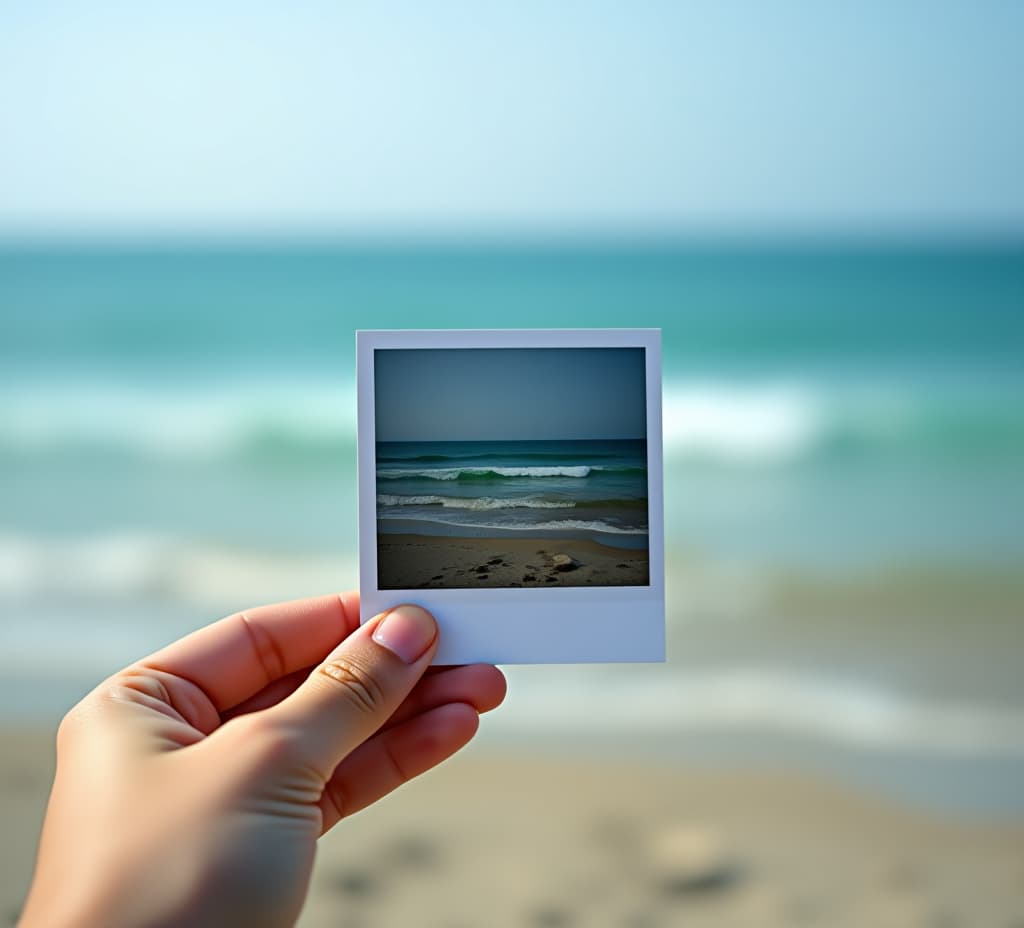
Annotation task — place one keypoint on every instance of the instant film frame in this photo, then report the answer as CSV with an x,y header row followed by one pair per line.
x,y
560,624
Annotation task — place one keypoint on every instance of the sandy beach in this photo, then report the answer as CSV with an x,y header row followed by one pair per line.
x,y
408,562
505,839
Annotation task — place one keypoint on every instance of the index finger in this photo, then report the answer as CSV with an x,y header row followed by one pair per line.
x,y
236,657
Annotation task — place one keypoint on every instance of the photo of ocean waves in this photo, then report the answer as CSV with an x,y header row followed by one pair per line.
x,y
577,489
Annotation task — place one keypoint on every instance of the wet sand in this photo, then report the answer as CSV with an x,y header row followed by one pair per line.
x,y
409,562
508,839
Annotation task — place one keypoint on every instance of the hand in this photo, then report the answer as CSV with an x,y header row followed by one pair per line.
x,y
192,786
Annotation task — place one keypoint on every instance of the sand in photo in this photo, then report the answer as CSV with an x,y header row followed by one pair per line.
x,y
410,562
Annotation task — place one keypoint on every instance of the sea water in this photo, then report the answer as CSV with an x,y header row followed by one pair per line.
x,y
844,445
594,490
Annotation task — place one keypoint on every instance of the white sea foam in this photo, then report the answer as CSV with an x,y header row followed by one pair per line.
x,y
206,420
454,473
138,567
743,422
573,525
719,419
583,525
483,502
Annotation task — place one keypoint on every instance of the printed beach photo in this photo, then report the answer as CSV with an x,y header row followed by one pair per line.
x,y
511,467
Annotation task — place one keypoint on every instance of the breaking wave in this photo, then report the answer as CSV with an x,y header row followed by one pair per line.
x,y
482,502
484,473
389,500
558,456
131,566
300,421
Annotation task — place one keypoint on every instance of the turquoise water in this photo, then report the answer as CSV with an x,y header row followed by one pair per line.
x,y
595,490
844,445
814,388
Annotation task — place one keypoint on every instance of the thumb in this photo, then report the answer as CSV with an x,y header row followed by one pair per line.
x,y
357,687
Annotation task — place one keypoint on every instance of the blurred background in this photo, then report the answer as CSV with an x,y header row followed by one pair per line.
x,y
821,206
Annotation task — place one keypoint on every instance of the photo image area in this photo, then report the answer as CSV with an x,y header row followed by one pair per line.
x,y
511,467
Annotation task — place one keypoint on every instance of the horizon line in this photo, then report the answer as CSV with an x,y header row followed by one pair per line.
x,y
824,241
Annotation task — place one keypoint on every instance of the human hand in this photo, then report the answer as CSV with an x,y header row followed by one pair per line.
x,y
192,786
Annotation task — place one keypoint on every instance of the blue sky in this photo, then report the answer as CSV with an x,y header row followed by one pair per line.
x,y
528,394
381,118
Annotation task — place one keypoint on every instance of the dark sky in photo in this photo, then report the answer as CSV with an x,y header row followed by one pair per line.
x,y
484,394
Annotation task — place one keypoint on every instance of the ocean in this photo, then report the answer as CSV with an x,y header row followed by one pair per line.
x,y
596,490
844,450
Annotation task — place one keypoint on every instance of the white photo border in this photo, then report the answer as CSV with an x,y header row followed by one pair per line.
x,y
524,625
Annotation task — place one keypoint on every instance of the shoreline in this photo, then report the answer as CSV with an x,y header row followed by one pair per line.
x,y
409,561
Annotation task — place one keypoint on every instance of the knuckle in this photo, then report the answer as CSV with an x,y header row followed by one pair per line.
x,y
355,682
135,680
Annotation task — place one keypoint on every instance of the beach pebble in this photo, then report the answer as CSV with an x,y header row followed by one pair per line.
x,y
564,562
690,859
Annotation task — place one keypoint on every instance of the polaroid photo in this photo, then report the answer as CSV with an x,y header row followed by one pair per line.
x,y
511,483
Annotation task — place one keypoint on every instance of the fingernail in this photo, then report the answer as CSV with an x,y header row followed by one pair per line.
x,y
406,631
